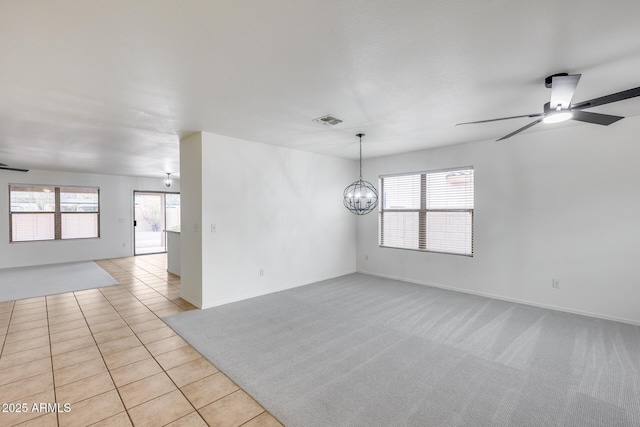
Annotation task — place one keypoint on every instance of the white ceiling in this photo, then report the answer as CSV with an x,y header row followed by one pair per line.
x,y
112,86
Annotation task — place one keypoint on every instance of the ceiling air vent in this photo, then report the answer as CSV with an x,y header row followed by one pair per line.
x,y
328,120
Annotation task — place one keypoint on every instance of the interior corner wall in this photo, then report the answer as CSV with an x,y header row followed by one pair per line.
x,y
191,219
116,218
561,203
272,219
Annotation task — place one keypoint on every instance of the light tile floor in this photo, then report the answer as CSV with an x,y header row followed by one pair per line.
x,y
108,355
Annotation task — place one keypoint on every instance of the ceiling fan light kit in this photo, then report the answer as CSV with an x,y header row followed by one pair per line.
x,y
560,108
557,116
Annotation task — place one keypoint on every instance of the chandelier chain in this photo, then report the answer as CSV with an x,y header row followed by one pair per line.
x,y
360,135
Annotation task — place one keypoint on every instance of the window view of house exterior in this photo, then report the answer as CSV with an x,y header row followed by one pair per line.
x,y
428,211
43,212
172,204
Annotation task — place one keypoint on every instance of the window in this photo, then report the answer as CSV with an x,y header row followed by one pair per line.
x,y
428,211
43,212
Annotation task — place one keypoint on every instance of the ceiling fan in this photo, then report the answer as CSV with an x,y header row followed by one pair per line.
x,y
560,108
7,168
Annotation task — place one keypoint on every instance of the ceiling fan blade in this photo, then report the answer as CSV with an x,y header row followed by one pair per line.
x,y
520,130
562,90
595,118
503,118
608,99
6,168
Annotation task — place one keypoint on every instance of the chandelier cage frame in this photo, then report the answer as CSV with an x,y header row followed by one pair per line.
x,y
360,197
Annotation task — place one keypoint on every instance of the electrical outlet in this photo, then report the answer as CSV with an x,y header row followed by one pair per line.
x,y
555,283
261,272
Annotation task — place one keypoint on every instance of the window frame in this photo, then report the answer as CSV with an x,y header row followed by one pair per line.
x,y
58,213
422,211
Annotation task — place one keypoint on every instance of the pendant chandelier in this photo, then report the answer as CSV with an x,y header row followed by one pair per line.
x,y
361,197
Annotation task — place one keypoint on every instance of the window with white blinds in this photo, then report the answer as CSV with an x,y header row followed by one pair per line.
x,y
79,212
43,212
428,211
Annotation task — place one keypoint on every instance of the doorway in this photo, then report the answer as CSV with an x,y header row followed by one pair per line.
x,y
154,212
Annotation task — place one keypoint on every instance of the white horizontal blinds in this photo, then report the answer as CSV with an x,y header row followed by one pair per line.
x,y
450,189
430,211
32,226
449,216
79,207
400,230
401,192
450,232
400,211
79,225
32,212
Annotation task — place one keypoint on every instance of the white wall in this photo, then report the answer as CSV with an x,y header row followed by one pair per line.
x,y
116,218
563,203
275,209
191,219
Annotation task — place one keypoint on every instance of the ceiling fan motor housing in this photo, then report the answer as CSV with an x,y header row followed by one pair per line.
x,y
549,80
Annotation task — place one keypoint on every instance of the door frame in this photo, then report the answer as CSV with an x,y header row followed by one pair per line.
x,y
164,206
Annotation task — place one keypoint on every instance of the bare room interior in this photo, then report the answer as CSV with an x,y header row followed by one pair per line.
x,y
319,213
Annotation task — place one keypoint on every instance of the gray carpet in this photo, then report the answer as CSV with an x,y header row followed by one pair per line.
x,y
366,351
28,282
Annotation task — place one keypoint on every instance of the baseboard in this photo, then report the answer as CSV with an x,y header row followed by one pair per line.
x,y
503,298
189,300
271,291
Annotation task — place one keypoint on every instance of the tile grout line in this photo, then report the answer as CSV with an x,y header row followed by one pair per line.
x,y
4,340
102,355
53,375
100,351
165,372
155,360
248,421
17,366
195,410
103,361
